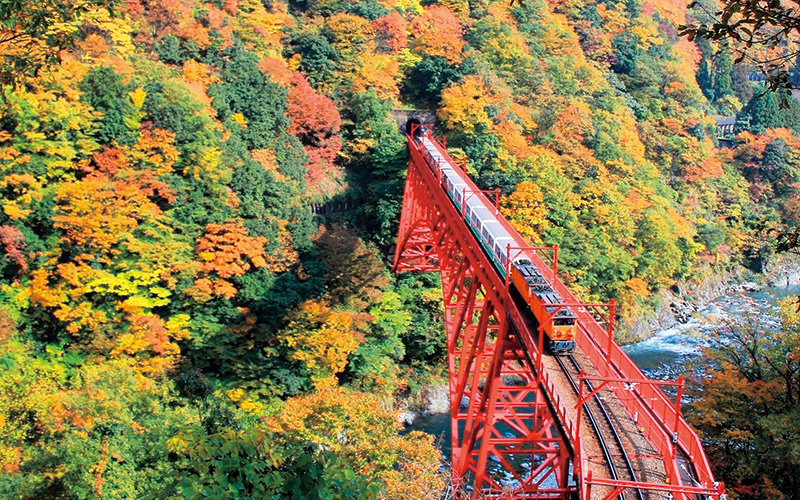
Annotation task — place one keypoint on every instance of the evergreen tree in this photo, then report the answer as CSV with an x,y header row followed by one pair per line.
x,y
721,72
704,78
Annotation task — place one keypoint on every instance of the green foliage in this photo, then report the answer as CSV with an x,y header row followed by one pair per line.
x,y
377,155
169,50
317,57
764,111
721,74
246,90
103,89
427,80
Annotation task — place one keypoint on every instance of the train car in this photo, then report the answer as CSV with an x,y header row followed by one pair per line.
x,y
537,293
482,219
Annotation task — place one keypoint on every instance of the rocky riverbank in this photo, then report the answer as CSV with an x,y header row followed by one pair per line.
x,y
433,399
678,303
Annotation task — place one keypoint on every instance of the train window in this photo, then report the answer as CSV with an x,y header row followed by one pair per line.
x,y
501,245
474,216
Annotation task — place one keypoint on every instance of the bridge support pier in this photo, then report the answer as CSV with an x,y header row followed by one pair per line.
x,y
505,439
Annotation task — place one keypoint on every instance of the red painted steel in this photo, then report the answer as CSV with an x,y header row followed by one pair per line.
x,y
505,443
512,435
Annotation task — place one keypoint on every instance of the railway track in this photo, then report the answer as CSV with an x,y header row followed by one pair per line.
x,y
619,463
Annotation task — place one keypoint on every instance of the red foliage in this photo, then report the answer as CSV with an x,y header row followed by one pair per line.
x,y
148,184
110,161
313,116
316,122
13,242
133,7
390,32
157,154
152,329
231,6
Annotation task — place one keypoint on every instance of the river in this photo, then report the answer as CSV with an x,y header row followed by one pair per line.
x,y
663,355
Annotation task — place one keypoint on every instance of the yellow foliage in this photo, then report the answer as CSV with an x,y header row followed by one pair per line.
x,y
244,402
115,30
463,105
361,429
137,97
379,72
206,164
526,211
239,119
321,339
286,256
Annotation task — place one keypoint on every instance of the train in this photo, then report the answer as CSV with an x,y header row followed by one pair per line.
x,y
527,283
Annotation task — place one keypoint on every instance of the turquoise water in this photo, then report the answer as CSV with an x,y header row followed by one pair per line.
x,y
663,354
438,425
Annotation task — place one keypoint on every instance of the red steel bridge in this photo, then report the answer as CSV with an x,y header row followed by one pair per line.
x,y
525,424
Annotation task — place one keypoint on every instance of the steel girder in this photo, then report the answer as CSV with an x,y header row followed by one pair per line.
x,y
505,439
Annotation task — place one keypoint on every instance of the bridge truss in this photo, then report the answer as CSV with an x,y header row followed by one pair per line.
x,y
512,435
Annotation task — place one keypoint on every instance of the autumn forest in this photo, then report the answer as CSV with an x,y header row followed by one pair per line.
x,y
200,202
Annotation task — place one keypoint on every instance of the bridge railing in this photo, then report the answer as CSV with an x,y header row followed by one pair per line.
x,y
569,424
650,407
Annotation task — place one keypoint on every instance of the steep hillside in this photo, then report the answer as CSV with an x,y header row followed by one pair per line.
x,y
174,317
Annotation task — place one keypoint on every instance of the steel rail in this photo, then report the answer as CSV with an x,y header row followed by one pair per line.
x,y
606,452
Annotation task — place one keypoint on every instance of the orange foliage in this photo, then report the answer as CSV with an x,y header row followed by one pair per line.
x,y
96,213
572,125
390,32
638,287
437,32
225,251
195,71
379,72
109,161
95,45
276,69
69,282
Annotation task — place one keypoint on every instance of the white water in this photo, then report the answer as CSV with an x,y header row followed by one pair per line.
x,y
661,354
